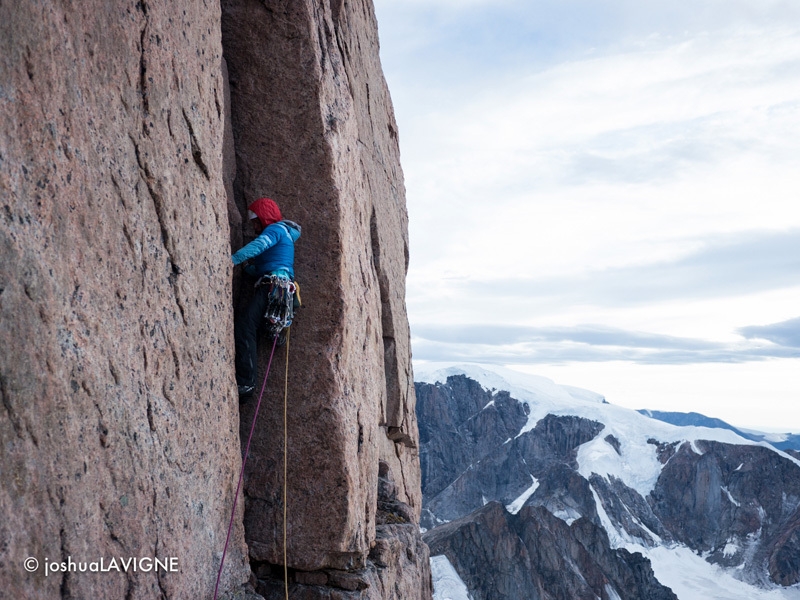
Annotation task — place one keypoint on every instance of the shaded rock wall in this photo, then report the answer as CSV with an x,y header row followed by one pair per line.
x,y
460,424
737,505
314,129
472,450
119,418
534,554
744,498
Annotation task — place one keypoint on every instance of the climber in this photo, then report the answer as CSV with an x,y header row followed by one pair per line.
x,y
271,256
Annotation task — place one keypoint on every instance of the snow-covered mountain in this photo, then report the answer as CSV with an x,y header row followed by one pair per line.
x,y
537,490
781,441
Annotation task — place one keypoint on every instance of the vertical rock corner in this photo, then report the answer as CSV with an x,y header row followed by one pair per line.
x,y
313,128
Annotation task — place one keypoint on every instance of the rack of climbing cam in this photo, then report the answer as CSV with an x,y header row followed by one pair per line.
x,y
280,304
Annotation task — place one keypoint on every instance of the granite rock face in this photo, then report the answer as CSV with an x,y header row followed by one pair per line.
x,y
126,162
398,564
314,129
119,422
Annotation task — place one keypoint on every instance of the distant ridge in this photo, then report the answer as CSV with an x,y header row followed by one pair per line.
x,y
781,441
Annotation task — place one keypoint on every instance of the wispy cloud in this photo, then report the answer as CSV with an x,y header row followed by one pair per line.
x,y
593,335
739,264
608,160
785,333
591,343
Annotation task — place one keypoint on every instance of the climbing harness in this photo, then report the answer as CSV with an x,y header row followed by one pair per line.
x,y
280,302
244,462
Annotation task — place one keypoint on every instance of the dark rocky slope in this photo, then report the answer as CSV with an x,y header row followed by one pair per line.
x,y
536,555
738,505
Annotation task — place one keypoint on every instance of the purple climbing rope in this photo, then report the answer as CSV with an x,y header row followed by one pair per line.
x,y
244,462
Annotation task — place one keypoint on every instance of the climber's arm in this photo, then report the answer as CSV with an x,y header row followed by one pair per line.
x,y
266,240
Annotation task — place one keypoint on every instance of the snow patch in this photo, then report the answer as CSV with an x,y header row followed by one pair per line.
x,y
733,501
692,578
616,538
447,585
695,449
517,504
619,537
731,549
637,464
686,573
568,515
612,593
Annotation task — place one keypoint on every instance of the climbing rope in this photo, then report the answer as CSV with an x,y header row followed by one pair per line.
x,y
244,462
285,461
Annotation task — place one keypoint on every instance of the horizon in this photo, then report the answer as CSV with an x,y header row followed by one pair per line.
x,y
605,196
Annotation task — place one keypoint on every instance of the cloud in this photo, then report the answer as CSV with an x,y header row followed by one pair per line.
x,y
500,35
594,335
625,164
744,263
707,97
606,158
587,343
555,354
785,333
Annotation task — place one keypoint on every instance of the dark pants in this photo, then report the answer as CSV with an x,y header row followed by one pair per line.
x,y
246,328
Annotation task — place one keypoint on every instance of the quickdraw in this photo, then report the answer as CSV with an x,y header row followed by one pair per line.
x,y
280,304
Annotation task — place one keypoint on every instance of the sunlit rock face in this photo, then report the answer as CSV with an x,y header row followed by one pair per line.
x,y
119,423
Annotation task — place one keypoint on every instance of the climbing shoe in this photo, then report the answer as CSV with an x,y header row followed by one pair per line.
x,y
245,391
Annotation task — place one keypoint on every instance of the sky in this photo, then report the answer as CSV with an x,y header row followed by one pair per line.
x,y
606,194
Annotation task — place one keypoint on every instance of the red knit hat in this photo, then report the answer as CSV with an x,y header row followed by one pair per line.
x,y
266,210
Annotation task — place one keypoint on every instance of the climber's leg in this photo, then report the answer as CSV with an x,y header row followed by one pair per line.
x,y
245,333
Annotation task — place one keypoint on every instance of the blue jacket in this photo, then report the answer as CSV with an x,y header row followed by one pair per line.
x,y
272,251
